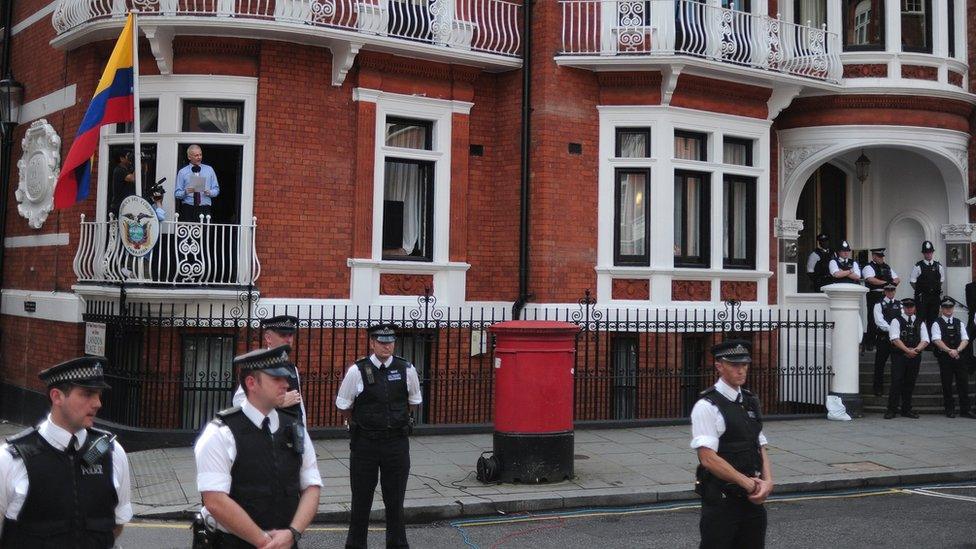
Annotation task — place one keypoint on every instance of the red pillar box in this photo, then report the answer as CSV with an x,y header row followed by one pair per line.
x,y
534,400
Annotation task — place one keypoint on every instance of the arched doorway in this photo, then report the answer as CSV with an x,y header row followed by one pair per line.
x,y
822,208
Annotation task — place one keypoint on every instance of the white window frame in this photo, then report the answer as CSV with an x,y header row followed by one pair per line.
x,y
171,91
663,121
449,277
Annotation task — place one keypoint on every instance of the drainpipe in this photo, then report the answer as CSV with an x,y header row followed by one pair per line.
x,y
8,138
524,294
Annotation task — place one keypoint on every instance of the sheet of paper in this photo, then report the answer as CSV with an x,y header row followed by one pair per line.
x,y
196,184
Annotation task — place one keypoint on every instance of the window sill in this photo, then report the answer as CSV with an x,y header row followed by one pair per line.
x,y
685,273
412,267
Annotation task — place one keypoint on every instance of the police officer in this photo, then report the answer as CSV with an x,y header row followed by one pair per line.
x,y
375,397
927,278
950,338
884,312
877,274
65,483
842,267
734,477
908,336
256,467
280,330
817,263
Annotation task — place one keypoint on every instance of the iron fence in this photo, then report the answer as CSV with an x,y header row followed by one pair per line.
x,y
171,365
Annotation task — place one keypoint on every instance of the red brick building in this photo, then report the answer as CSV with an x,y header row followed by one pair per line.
x,y
681,153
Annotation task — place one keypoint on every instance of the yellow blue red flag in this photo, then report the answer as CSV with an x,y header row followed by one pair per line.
x,y
111,103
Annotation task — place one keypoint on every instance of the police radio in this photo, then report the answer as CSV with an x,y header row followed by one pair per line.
x,y
98,448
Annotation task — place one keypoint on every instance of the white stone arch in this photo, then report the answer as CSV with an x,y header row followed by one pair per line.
x,y
803,150
929,225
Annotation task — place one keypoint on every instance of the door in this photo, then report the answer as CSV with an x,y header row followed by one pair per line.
x,y
823,209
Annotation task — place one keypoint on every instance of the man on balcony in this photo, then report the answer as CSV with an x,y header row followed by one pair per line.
x,y
196,186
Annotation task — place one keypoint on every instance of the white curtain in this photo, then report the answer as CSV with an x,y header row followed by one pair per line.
x,y
812,11
736,206
633,145
687,215
633,193
735,153
406,136
403,183
225,119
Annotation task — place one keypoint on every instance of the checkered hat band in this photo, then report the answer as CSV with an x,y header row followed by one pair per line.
x,y
737,350
283,324
77,374
263,363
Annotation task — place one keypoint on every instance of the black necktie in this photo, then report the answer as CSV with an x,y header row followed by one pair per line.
x,y
738,398
72,445
266,426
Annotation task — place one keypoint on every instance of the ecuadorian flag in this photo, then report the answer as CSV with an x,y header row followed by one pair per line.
x,y
111,103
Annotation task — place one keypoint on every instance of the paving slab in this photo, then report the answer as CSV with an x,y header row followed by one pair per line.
x,y
613,468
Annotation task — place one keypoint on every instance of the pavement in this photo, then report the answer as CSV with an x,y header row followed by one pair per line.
x,y
613,467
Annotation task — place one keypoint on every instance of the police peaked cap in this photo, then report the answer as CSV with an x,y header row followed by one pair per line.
x,y
878,251
85,371
908,302
948,302
823,236
844,247
383,333
273,361
927,247
284,324
733,350
890,286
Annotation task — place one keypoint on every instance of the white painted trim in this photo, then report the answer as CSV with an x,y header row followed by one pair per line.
x,y
56,306
409,267
49,104
663,121
412,102
35,17
36,240
171,90
168,295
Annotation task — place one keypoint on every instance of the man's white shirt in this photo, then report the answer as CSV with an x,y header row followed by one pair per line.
x,y
14,483
937,330
216,450
868,272
833,267
894,329
352,384
917,271
879,319
707,423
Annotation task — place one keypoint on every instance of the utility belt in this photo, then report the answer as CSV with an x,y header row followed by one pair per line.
x,y
712,488
356,431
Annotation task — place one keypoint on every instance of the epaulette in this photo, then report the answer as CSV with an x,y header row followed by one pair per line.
x,y
398,357
16,449
227,412
709,394
747,393
289,412
98,431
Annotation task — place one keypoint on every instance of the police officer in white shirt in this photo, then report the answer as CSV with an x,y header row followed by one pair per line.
x,y
376,397
842,267
817,263
950,339
256,467
734,477
885,310
927,278
908,336
65,483
280,330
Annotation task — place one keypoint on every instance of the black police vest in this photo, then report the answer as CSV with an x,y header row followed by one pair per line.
x,y
844,265
951,334
265,477
929,281
891,311
293,385
821,270
882,271
383,404
739,444
910,334
69,504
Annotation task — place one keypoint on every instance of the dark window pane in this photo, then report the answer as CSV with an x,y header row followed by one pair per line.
x,y
149,113
631,213
737,151
408,199
810,13
863,24
690,146
213,116
408,134
739,213
916,25
633,143
118,187
691,219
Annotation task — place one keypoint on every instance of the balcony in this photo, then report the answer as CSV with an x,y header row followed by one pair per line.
x,y
483,33
188,255
641,34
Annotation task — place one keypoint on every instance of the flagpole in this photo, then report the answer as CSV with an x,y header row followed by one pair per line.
x,y
136,118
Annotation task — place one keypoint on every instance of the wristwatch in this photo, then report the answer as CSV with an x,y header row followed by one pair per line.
x,y
296,536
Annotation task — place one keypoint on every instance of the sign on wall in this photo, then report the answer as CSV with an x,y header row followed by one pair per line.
x,y
95,338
